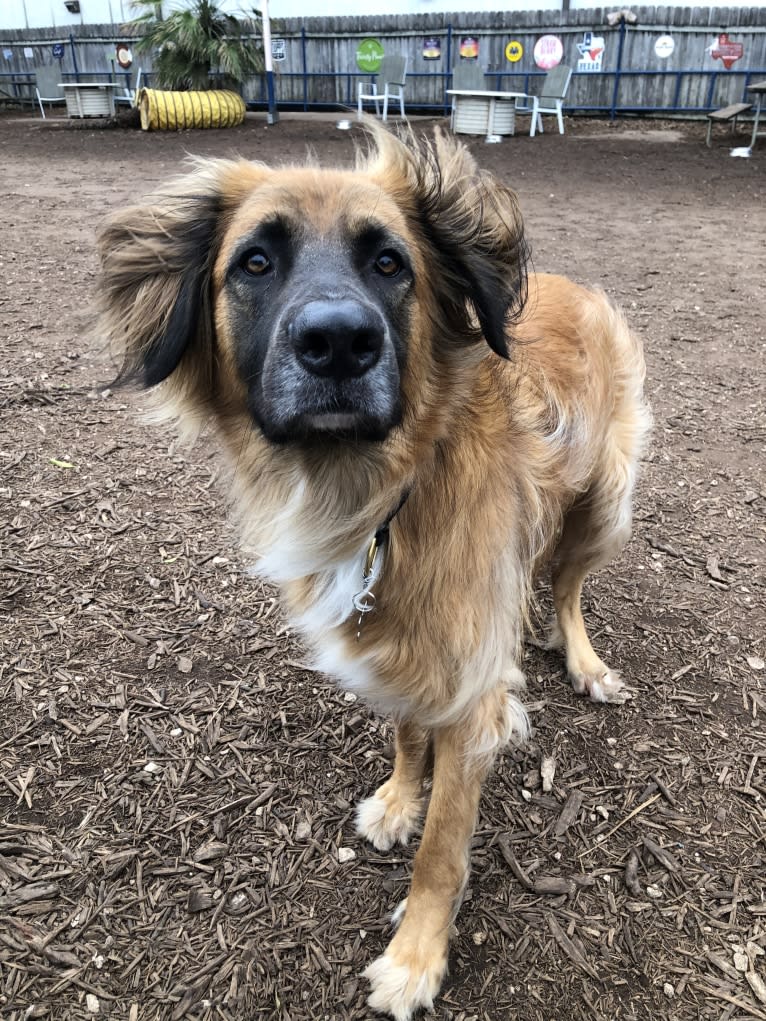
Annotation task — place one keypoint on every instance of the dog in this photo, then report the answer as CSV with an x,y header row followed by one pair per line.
x,y
416,424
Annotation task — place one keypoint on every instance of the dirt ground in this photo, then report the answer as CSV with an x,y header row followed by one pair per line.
x,y
175,785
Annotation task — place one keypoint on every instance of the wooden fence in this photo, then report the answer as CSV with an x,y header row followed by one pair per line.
x,y
318,66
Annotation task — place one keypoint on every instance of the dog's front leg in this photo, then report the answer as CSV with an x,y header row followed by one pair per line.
x,y
393,811
410,972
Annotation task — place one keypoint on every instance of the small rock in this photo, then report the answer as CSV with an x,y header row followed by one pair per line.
x,y
91,1003
152,767
654,891
237,903
547,772
349,696
303,831
669,990
526,795
755,663
741,962
479,938
346,854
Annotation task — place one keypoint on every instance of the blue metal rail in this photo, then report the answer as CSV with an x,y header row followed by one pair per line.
x,y
21,86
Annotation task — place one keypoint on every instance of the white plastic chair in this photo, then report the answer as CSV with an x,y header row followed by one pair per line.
x,y
48,86
550,100
389,84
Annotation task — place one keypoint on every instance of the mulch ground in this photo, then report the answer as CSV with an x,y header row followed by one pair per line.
x,y
177,790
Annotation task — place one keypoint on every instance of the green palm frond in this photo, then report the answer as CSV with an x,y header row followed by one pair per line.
x,y
193,42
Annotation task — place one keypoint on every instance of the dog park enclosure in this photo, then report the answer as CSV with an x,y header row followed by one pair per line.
x,y
179,791
317,65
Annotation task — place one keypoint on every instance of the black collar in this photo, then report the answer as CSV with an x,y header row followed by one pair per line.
x,y
381,535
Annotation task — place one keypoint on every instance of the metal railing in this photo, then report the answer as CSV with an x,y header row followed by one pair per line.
x,y
20,86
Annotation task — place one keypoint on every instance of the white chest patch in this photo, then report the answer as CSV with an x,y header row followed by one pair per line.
x,y
335,589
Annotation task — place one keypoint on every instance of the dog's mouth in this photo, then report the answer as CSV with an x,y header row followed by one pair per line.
x,y
327,425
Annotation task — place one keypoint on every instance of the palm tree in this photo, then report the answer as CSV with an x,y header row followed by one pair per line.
x,y
194,43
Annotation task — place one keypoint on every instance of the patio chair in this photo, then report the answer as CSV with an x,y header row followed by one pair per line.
x,y
467,76
130,90
389,84
550,100
48,86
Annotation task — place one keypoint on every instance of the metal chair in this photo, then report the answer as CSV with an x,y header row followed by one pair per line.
x,y
389,84
467,76
550,100
48,86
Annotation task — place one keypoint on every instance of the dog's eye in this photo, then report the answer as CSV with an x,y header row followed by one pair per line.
x,y
256,263
388,263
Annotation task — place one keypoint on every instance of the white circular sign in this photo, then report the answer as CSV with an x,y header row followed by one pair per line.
x,y
664,46
548,52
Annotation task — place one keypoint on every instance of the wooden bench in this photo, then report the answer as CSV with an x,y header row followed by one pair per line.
x,y
726,113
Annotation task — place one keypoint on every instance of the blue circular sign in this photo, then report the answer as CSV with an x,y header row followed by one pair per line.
x,y
58,50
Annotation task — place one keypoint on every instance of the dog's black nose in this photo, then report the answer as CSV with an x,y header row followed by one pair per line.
x,y
339,339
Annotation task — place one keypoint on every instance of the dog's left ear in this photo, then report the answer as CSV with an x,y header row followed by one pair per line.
x,y
478,233
474,234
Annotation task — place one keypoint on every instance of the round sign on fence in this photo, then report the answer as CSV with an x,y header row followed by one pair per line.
x,y
58,50
124,56
514,51
548,52
369,55
664,46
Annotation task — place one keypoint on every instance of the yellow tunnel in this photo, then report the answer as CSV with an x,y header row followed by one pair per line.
x,y
174,111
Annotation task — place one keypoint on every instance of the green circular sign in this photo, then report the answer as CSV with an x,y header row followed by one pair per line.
x,y
369,55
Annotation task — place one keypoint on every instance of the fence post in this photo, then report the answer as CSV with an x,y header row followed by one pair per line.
x,y
305,69
74,58
618,70
448,76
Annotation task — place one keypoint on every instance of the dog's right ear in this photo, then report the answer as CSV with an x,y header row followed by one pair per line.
x,y
156,265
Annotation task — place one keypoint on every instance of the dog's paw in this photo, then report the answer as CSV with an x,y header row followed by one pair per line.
x,y
602,685
401,986
388,817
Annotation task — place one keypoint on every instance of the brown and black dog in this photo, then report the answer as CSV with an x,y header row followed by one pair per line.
x,y
415,426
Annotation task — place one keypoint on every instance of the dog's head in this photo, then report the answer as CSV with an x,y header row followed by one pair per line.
x,y
324,303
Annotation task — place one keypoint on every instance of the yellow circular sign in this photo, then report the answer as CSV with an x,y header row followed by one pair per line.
x,y
514,51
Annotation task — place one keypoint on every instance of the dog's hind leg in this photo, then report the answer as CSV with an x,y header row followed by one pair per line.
x,y
394,810
595,530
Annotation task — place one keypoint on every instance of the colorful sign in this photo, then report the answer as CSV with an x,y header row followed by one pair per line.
x,y
548,52
726,51
664,46
469,48
278,49
432,48
514,51
124,56
369,55
591,52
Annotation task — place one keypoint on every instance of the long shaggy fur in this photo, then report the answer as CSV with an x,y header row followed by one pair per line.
x,y
508,455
